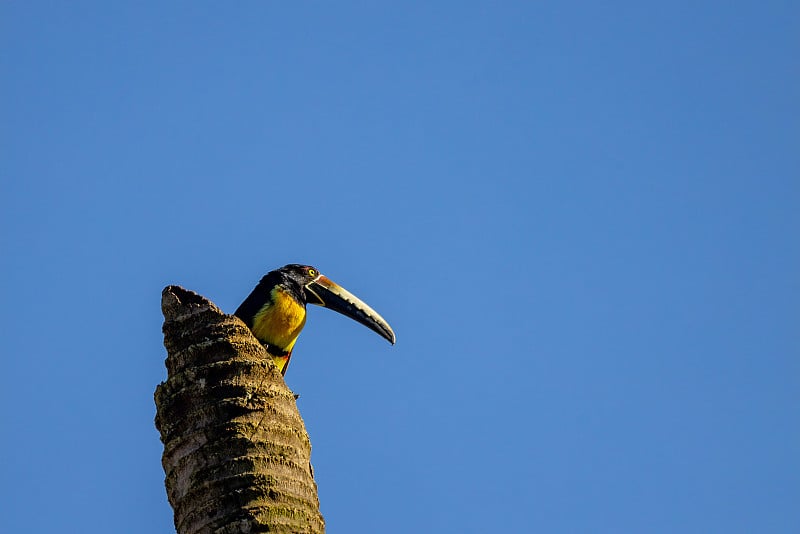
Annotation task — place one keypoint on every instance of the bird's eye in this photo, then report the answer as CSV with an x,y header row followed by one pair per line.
x,y
312,272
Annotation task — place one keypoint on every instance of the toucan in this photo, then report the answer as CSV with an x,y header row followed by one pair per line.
x,y
275,311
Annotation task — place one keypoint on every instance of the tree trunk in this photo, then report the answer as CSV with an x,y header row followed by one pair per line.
x,y
236,452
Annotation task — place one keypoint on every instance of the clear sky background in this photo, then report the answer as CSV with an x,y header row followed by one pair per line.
x,y
581,219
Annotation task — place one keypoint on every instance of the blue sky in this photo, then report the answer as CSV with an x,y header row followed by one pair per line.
x,y
580,218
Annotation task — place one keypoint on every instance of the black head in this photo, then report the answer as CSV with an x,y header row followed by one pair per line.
x,y
301,274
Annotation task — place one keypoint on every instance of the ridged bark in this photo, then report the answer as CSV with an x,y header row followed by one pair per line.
x,y
236,452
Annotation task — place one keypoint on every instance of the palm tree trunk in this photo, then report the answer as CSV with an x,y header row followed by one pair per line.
x,y
236,452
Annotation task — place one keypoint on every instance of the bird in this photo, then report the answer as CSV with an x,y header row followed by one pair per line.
x,y
275,311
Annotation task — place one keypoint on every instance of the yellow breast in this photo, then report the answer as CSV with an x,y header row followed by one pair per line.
x,y
279,322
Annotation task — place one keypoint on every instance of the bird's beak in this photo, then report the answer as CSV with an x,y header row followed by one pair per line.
x,y
322,291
